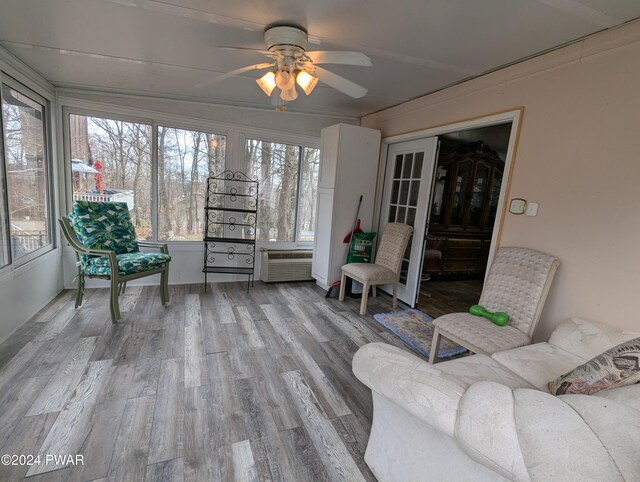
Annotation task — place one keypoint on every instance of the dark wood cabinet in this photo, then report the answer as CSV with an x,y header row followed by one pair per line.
x,y
463,210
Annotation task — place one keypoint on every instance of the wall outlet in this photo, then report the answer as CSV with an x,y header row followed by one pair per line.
x,y
532,209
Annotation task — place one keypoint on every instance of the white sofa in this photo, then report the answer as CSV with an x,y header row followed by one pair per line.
x,y
492,418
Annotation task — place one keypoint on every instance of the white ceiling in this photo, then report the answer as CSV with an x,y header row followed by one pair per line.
x,y
166,48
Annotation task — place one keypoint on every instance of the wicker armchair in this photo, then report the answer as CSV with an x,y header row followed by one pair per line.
x,y
385,270
518,283
104,240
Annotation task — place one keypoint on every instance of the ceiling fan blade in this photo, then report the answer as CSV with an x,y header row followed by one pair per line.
x,y
258,51
234,72
340,83
339,57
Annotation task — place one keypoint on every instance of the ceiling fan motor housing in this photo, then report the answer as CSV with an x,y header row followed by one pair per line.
x,y
286,38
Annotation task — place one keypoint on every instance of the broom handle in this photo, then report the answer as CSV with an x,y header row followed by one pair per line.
x,y
353,231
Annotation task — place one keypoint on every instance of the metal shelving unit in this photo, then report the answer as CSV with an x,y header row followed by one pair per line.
x,y
231,217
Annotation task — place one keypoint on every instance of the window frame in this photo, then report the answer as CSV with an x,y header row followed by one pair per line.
x,y
302,142
235,134
50,198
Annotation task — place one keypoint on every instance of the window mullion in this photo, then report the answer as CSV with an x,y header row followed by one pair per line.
x,y
297,217
154,181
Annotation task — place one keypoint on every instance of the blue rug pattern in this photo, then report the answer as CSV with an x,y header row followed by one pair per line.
x,y
415,328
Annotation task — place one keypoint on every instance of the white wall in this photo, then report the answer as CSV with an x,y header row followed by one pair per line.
x,y
577,156
25,289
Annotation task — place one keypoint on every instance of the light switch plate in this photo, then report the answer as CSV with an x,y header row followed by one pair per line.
x,y
532,209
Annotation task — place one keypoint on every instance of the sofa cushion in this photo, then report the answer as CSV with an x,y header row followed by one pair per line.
x,y
628,395
617,427
616,367
477,368
556,442
538,364
588,338
481,333
368,272
128,263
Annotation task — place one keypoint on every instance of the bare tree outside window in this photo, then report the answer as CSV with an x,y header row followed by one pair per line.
x,y
309,169
185,160
275,166
288,177
26,171
111,162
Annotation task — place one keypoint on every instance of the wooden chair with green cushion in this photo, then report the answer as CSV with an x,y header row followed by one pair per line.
x,y
104,240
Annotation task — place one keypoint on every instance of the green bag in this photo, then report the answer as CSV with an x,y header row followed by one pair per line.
x,y
361,248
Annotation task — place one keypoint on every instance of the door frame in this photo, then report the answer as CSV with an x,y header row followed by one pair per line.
x,y
514,116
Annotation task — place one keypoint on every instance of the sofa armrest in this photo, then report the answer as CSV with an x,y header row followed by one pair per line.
x,y
486,429
421,389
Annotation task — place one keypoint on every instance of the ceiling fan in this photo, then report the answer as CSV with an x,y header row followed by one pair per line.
x,y
291,63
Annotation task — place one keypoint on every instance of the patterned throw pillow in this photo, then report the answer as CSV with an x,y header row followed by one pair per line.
x,y
616,367
104,226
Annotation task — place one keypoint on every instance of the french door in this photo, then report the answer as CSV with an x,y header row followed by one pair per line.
x,y
405,199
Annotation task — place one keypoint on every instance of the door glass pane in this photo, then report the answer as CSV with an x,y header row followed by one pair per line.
x,y
398,167
26,181
185,160
417,165
401,215
111,162
414,192
392,214
308,193
404,270
460,194
395,192
411,216
406,167
404,192
275,166
477,195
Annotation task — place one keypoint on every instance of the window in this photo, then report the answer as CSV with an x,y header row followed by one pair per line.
x,y
161,172
111,162
185,160
308,192
275,166
24,204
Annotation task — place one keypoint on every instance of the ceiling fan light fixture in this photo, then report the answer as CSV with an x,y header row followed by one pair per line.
x,y
289,94
285,79
306,81
267,82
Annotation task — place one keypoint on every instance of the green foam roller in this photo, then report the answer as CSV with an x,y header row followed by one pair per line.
x,y
500,318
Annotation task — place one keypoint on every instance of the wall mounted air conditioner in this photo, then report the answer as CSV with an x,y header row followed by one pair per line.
x,y
289,265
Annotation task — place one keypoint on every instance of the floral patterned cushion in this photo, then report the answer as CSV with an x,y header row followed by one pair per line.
x,y
104,226
128,263
616,367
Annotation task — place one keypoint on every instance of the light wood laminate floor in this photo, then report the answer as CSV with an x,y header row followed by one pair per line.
x,y
222,385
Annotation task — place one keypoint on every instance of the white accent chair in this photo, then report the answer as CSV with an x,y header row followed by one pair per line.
x,y
518,283
492,418
385,269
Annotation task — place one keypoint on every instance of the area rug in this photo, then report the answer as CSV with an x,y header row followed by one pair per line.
x,y
415,328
